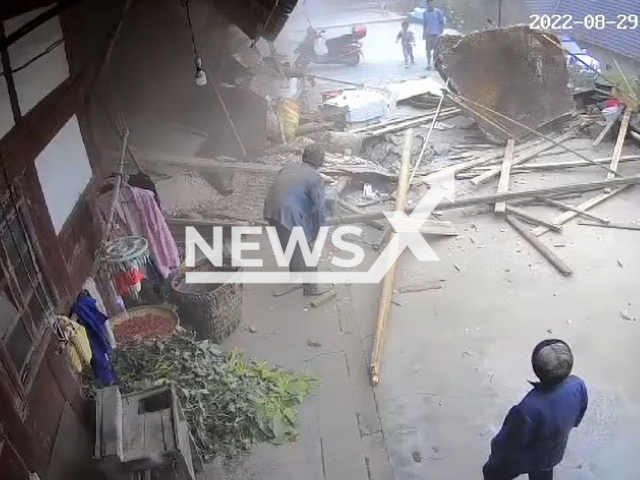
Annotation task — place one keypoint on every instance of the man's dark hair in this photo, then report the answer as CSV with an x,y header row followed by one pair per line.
x,y
405,24
313,155
552,361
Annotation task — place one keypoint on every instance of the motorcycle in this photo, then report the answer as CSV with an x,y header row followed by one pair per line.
x,y
343,50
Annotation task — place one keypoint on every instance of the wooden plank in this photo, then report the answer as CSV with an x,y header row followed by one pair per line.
x,y
426,227
620,226
387,284
612,121
521,158
168,437
530,218
532,167
568,216
461,167
485,199
446,113
505,171
352,209
419,287
536,243
322,299
566,206
153,433
133,429
209,164
112,425
617,151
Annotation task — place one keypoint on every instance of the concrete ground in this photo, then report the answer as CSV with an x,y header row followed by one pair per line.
x,y
457,358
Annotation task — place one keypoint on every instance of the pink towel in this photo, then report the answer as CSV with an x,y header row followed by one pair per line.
x,y
139,210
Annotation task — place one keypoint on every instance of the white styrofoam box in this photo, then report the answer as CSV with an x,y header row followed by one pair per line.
x,y
361,105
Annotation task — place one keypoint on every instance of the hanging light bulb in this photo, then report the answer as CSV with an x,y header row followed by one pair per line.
x,y
201,77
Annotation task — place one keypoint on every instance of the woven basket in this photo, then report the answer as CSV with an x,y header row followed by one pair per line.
x,y
214,311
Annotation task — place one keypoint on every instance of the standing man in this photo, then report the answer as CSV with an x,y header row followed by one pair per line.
x,y
432,28
535,432
297,199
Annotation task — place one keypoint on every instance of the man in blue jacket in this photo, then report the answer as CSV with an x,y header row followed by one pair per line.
x,y
535,432
297,199
432,28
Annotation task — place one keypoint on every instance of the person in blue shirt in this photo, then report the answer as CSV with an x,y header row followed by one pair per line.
x,y
297,199
535,432
432,27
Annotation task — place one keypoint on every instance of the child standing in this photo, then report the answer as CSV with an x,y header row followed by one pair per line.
x,y
408,40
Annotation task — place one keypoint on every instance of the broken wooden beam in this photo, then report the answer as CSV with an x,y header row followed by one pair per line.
x,y
426,227
485,199
419,287
322,299
521,158
617,150
446,113
612,121
542,135
619,226
536,243
573,164
352,209
387,284
461,167
505,172
566,206
530,218
586,205
383,239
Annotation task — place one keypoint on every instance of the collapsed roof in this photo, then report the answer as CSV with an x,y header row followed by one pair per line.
x,y
258,18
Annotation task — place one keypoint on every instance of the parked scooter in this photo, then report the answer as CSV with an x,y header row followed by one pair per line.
x,y
343,50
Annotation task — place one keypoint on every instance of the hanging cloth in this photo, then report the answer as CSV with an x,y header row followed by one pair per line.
x,y
139,212
94,322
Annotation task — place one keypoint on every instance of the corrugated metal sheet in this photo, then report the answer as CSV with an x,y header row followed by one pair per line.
x,y
625,42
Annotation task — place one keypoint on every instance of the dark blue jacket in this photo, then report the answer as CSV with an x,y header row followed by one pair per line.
x,y
535,432
297,198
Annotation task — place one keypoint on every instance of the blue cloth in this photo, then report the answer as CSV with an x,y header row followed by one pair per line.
x,y
535,432
433,22
93,320
297,198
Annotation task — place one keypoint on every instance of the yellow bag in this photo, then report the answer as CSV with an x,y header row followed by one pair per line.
x,y
289,118
78,349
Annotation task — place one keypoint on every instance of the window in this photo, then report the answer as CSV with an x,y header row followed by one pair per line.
x,y
38,64
25,297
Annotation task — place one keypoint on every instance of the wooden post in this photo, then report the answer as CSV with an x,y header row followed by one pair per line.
x,y
505,172
387,283
617,151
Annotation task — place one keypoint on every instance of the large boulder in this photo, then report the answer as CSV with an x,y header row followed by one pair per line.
x,y
517,71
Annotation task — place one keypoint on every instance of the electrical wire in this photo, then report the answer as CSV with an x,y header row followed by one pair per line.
x,y
48,50
185,4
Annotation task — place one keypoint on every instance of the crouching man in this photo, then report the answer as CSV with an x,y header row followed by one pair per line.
x,y
297,199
